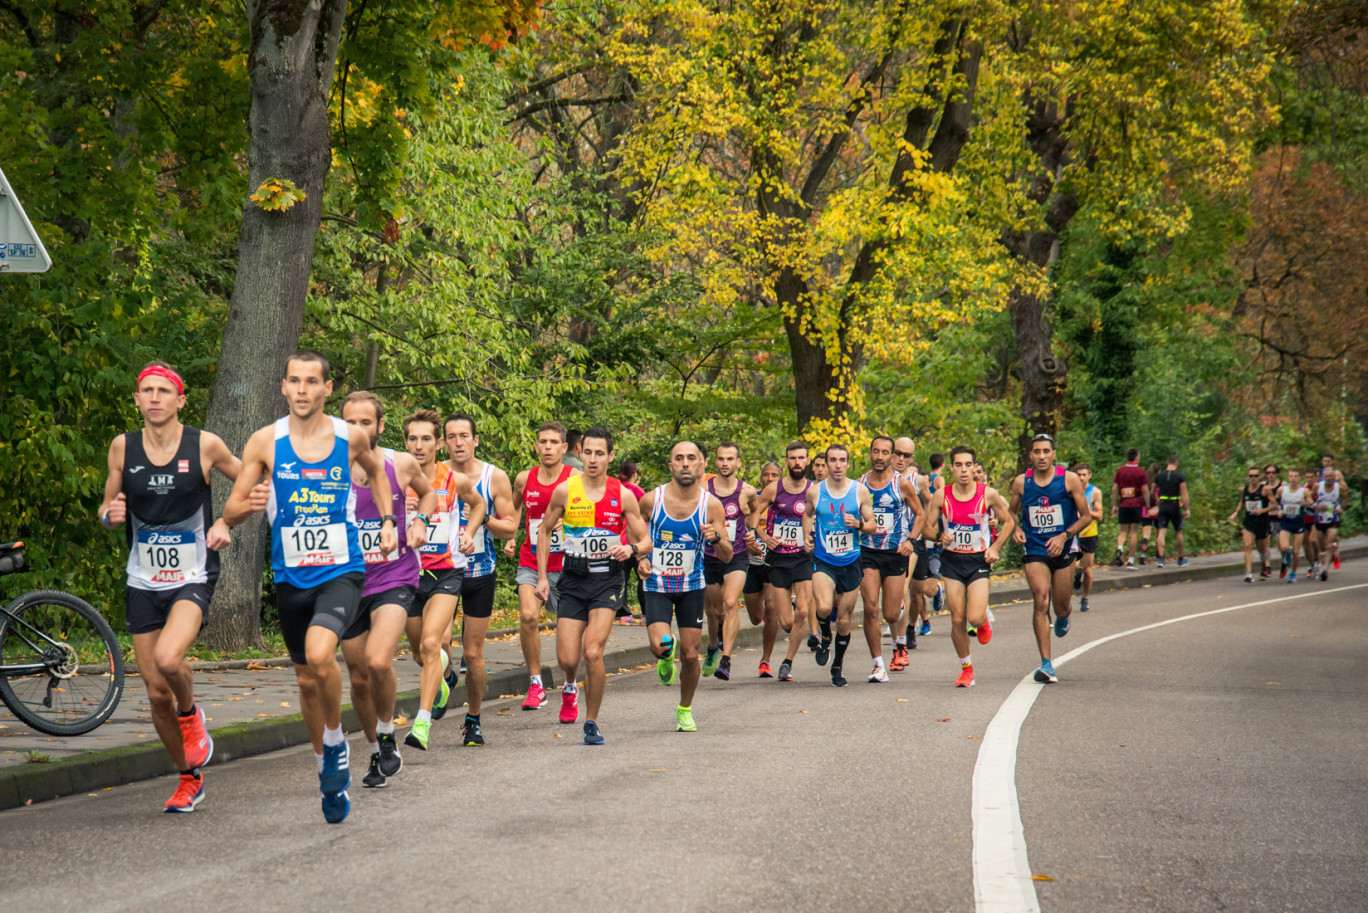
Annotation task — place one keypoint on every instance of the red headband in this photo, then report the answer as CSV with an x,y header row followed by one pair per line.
x,y
158,371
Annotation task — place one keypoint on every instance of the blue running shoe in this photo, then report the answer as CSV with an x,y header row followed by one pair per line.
x,y
336,806
925,628
1046,673
335,776
1062,626
592,736
938,601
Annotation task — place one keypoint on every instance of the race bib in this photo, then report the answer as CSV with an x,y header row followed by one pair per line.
x,y
1046,517
594,548
1251,506
534,531
315,546
839,541
672,562
1325,513
731,530
883,522
759,559
439,536
168,557
1129,492
789,533
368,532
479,541
967,540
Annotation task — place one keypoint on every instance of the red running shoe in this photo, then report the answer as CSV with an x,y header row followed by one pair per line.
x,y
966,677
985,633
199,747
187,795
536,698
1335,563
899,660
569,707
765,671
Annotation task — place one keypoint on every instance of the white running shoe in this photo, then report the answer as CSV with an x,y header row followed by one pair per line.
x,y
879,674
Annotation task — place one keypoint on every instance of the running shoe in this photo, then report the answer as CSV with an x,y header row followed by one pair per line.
x,y
666,669
189,793
1335,563
1061,626
812,643
786,671
1282,570
1158,562
592,736
878,674
765,671
1117,559
463,665
711,660
823,651
1249,578
335,776
569,711
925,628
418,735
390,762
837,679
336,806
966,677
1265,572
724,669
472,736
199,747
1078,580
374,779
1046,673
439,706
1324,574
536,697
1182,562
985,632
970,630
899,660
684,721
1130,566
1083,604
1141,560
1292,578
938,600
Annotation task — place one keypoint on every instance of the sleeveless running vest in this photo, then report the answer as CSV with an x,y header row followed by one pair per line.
x,y
1254,500
483,558
785,520
1327,502
1290,501
966,521
676,548
437,555
890,515
592,527
835,542
736,522
169,515
312,512
535,499
1046,510
1091,529
401,566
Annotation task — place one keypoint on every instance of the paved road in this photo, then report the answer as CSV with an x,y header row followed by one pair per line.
x,y
1165,772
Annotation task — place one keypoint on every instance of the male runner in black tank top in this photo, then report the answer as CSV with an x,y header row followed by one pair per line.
x,y
159,482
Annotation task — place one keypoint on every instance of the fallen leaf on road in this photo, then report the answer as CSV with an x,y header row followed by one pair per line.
x,y
655,770
505,710
1272,683
504,697
401,721
973,737
557,735
802,711
944,719
284,703
237,698
1041,878
28,801
901,700
1143,586
265,716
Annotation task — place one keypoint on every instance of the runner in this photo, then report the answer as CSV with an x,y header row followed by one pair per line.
x,y
596,510
531,495
759,594
1293,497
838,508
306,459
884,555
1257,503
572,449
1128,500
1087,540
159,482
958,516
726,579
784,505
1171,492
1328,498
819,468
1053,508
684,517
629,474
924,584
913,613
387,597
477,590
1148,512
444,560
1272,479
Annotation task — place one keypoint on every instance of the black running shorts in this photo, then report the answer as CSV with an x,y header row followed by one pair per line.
x,y
685,608
146,611
333,604
786,570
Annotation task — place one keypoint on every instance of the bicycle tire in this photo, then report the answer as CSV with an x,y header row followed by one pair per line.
x,y
97,687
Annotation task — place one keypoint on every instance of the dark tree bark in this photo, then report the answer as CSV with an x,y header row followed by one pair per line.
x,y
290,67
1043,375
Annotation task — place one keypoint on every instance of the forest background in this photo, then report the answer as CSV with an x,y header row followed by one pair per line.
x,y
1125,222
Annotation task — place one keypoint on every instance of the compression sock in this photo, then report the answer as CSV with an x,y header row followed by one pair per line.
x,y
824,624
842,641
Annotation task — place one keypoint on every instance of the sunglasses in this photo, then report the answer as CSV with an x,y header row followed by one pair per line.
x,y
1253,475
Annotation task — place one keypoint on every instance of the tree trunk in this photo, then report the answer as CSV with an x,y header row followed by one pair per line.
x,y
290,67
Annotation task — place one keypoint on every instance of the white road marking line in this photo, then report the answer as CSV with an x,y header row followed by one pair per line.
x,y
1002,872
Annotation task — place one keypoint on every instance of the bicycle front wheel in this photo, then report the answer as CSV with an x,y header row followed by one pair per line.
x,y
61,668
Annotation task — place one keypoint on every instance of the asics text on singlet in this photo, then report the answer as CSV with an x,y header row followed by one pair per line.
x,y
169,514
312,512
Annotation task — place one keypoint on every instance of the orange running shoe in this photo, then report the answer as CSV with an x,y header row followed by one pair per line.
x,y
187,795
899,660
966,677
199,747
765,671
985,632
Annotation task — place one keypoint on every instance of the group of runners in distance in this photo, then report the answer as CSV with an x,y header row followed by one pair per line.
x,y
371,547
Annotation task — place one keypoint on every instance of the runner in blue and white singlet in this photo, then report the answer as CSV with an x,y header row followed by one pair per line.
x,y
312,513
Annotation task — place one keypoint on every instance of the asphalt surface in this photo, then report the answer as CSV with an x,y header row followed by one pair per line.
x,y
1218,763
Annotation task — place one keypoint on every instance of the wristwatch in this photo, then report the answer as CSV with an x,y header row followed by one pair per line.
x,y
424,518
390,518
